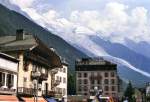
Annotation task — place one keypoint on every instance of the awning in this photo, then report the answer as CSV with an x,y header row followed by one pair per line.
x,y
8,98
31,99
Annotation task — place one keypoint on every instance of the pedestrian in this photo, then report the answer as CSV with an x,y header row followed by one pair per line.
x,y
63,99
126,100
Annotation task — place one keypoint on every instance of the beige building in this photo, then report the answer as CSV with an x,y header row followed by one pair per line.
x,y
8,74
36,61
96,73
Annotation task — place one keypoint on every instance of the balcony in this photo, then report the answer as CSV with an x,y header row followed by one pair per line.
x,y
56,82
25,91
54,71
95,77
43,76
7,91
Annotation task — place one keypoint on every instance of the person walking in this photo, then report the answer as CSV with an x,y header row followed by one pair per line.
x,y
126,100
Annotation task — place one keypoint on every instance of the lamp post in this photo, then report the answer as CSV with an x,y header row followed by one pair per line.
x,y
96,90
36,75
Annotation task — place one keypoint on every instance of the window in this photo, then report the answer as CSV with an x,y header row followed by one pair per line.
x,y
92,81
25,65
99,87
106,81
85,75
39,68
64,80
64,70
57,77
34,68
92,73
10,80
95,81
79,88
2,79
85,81
85,88
112,74
113,94
79,81
79,75
92,87
64,91
98,81
106,74
106,88
112,81
113,88
61,69
60,79
25,79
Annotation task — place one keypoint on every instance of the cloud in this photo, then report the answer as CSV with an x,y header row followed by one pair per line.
x,y
22,3
114,21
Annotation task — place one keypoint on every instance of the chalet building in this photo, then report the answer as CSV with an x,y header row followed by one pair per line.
x,y
36,63
94,74
8,74
60,84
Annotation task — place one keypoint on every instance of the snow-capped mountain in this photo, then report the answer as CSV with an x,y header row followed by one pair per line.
x,y
132,64
140,47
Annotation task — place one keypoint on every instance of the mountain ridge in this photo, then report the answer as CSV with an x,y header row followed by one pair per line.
x,y
11,20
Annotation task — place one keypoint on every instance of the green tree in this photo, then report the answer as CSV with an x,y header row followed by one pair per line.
x,y
71,84
129,92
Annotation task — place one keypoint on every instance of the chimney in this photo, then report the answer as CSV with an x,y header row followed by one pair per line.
x,y
19,34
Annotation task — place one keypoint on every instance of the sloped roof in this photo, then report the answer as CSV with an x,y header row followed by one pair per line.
x,y
30,42
9,43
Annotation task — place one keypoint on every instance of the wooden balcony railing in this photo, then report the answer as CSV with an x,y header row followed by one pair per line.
x,y
56,82
25,91
7,90
54,71
43,76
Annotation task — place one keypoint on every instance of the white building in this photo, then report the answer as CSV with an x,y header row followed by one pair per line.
x,y
8,74
61,82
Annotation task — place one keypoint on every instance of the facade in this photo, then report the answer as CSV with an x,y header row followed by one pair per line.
x,y
36,61
96,74
8,74
61,82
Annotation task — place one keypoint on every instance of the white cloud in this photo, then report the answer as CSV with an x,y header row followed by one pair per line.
x,y
22,3
114,21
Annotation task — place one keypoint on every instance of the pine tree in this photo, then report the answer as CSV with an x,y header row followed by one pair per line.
x,y
71,84
129,92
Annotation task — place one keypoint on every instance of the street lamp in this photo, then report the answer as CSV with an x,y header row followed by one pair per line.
x,y
96,90
36,76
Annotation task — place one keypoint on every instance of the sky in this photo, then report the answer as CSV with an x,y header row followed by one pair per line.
x,y
114,20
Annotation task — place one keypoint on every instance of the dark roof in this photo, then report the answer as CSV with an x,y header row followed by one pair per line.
x,y
30,42
95,67
8,57
9,43
94,64
93,61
